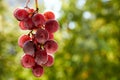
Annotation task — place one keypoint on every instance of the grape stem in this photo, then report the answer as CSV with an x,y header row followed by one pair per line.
x,y
36,3
30,33
27,2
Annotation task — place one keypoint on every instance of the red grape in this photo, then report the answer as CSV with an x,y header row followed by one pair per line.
x,y
22,39
37,70
51,46
22,26
49,15
38,19
50,61
21,14
29,48
41,35
41,57
27,61
29,24
51,26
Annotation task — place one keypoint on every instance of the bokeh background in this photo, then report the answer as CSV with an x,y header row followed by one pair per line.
x,y
89,40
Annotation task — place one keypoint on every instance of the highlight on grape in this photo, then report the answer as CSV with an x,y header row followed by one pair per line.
x,y
38,45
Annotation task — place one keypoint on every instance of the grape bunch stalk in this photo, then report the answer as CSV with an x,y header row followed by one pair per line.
x,y
38,45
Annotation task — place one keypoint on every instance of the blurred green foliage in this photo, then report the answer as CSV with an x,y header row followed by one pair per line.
x,y
89,43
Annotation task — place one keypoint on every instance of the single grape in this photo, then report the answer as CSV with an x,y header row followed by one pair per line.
x,y
29,48
29,24
41,57
38,70
21,14
51,26
27,61
41,35
50,61
38,19
51,46
22,39
22,26
49,15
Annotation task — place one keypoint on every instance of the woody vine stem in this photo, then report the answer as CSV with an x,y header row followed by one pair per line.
x,y
36,4
27,2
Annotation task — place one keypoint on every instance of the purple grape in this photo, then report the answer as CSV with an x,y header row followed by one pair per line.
x,y
29,48
51,46
27,61
29,24
38,70
38,19
51,26
41,35
50,61
41,57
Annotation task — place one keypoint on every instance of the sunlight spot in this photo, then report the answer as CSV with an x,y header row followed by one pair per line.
x,y
72,25
80,3
87,15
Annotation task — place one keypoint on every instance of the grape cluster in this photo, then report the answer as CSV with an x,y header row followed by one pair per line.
x,y
38,45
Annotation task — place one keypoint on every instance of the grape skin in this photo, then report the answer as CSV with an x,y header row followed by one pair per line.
x,y
37,70
22,26
29,48
38,19
27,61
21,14
41,35
49,15
29,24
51,46
41,57
30,11
22,39
51,26
50,61
51,35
